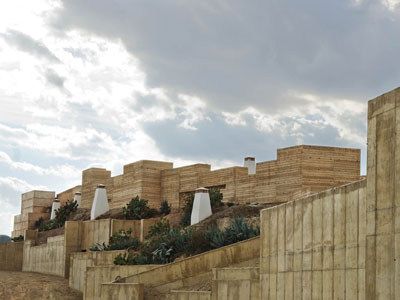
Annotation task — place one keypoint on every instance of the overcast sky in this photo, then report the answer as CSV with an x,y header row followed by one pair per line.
x,y
104,83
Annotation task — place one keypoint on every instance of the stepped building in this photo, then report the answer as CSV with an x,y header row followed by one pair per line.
x,y
298,171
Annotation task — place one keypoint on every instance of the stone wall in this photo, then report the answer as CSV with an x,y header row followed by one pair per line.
x,y
11,255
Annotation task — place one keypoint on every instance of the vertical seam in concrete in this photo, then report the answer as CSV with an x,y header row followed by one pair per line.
x,y
322,245
333,242
393,265
345,241
293,250
302,244
284,251
358,238
312,245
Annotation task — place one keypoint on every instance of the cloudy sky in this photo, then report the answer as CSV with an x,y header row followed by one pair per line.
x,y
103,83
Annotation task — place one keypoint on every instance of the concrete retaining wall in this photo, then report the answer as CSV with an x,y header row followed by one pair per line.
x,y
190,295
188,271
81,260
383,198
236,284
99,231
11,255
314,248
47,259
96,276
121,291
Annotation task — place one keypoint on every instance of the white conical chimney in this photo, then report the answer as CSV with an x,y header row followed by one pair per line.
x,y
54,207
250,164
201,206
100,202
78,198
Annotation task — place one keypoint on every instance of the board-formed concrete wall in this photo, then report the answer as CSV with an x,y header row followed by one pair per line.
x,y
236,284
100,231
186,272
80,261
47,258
314,248
343,243
96,276
190,295
11,255
383,198
121,291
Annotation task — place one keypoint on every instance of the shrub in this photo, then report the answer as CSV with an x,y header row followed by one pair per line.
x,y
123,240
162,248
185,221
165,209
18,238
118,241
216,198
165,244
126,259
215,237
136,209
238,231
162,227
230,204
39,223
98,247
62,215
163,254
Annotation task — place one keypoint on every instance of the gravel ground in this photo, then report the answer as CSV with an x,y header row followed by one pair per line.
x,y
32,286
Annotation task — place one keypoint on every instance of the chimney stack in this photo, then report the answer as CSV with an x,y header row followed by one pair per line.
x,y
54,207
250,164
201,206
78,198
100,202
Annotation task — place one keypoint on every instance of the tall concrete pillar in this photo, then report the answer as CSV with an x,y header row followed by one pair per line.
x,y
54,207
250,164
383,198
78,198
100,202
201,206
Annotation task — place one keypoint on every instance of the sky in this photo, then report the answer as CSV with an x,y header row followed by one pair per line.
x,y
100,83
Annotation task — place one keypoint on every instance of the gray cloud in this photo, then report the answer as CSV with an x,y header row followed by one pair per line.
x,y
217,140
53,78
27,44
234,54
